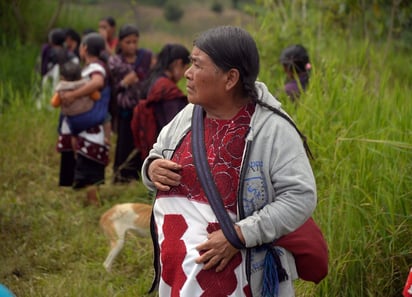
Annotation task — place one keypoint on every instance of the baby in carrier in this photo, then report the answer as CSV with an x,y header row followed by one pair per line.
x,y
71,79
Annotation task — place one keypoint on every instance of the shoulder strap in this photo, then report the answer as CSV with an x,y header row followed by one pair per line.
x,y
206,179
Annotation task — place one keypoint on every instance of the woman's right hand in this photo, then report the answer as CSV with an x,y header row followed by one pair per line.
x,y
103,32
130,79
164,174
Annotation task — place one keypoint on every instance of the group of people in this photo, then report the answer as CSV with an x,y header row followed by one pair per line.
x,y
99,81
228,141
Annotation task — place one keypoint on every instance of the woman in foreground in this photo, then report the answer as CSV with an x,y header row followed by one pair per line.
x,y
260,168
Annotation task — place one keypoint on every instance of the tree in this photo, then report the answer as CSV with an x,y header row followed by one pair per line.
x,y
17,18
173,12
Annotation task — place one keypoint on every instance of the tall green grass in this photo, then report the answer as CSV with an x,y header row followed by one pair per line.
x,y
51,244
356,114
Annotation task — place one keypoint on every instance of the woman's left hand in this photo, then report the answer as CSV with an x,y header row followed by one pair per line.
x,y
217,251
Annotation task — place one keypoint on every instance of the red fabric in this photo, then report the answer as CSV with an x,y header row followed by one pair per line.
x,y
143,124
94,151
221,284
224,142
172,272
113,43
309,249
407,290
64,143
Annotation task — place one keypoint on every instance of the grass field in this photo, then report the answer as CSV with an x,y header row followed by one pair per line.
x,y
356,115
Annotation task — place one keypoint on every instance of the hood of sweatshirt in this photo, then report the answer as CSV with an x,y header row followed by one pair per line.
x,y
262,114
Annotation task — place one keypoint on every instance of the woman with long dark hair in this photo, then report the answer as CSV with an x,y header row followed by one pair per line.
x,y
129,67
257,164
84,167
162,97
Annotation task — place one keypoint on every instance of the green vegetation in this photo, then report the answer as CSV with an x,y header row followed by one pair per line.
x,y
356,115
173,12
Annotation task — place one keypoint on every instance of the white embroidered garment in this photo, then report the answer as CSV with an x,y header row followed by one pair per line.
x,y
184,217
185,224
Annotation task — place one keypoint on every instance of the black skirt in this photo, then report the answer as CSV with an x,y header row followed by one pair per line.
x,y
126,165
87,172
67,164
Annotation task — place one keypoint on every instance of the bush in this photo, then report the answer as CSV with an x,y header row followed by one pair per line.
x,y
217,7
173,12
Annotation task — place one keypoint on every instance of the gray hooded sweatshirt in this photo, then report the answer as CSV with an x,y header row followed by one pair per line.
x,y
276,192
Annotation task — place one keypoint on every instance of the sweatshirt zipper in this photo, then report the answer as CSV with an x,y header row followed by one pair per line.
x,y
240,203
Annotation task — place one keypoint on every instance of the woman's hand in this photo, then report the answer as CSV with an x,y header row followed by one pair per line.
x,y
104,34
217,251
129,79
163,173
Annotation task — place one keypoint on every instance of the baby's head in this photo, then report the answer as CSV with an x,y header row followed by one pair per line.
x,y
71,71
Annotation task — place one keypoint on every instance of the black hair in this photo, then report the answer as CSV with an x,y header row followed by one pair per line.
x,y
232,47
167,55
58,54
57,36
127,30
295,58
124,31
71,71
73,35
95,46
110,20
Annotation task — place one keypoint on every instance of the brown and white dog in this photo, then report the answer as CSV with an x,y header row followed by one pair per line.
x,y
120,219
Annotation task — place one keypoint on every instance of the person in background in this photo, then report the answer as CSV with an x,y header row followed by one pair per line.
x,y
107,28
162,97
53,55
71,79
296,64
129,67
84,167
259,165
72,41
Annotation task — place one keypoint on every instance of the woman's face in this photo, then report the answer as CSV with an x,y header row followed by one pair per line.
x,y
70,43
128,45
106,29
205,81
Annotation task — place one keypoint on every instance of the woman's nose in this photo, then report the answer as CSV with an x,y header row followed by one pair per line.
x,y
187,72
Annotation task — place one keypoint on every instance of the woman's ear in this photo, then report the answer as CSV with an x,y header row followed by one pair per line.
x,y
232,78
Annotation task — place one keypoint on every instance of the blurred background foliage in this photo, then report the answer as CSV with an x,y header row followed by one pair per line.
x,y
378,19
